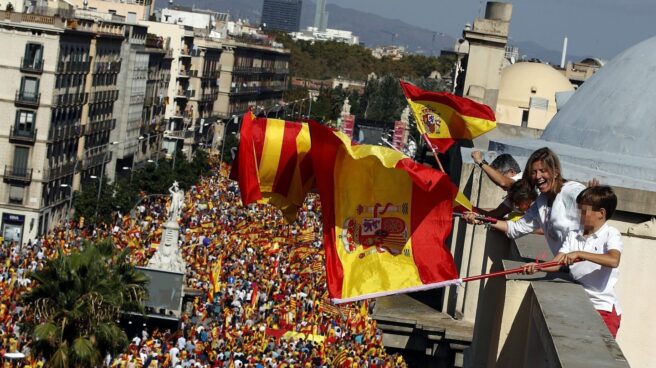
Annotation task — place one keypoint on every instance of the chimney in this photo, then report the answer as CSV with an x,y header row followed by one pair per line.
x,y
563,58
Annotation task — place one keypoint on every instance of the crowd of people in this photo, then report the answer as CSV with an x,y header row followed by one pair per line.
x,y
260,290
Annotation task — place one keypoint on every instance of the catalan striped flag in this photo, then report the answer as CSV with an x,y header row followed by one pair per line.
x,y
386,219
444,117
273,165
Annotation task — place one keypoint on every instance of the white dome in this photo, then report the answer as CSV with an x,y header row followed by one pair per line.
x,y
525,80
614,110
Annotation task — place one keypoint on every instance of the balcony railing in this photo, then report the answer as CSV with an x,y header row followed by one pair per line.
x,y
96,159
102,125
183,73
31,66
59,171
22,136
18,174
73,67
70,99
27,98
64,132
104,96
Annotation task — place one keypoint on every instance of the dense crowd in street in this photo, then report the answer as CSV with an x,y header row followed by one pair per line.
x,y
261,290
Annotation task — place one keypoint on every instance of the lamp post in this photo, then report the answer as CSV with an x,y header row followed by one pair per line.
x,y
102,173
235,119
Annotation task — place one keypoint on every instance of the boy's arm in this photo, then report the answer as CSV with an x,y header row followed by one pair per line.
x,y
610,259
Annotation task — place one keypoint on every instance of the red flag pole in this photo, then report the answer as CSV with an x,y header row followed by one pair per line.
x,y
428,142
539,266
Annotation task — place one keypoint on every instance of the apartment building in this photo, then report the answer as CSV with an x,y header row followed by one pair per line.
x,y
131,10
136,110
160,56
59,90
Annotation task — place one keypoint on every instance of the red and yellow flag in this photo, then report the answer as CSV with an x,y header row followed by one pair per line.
x,y
386,219
444,117
273,164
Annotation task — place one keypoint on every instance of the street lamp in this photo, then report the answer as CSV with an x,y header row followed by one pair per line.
x,y
102,173
70,200
233,119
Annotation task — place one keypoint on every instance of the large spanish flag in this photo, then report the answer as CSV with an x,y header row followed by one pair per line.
x,y
386,219
443,116
273,165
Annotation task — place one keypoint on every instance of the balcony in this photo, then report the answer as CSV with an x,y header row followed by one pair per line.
x,y
22,136
31,66
67,67
64,132
104,96
59,171
69,99
96,159
28,99
101,125
244,90
179,134
17,174
185,94
183,73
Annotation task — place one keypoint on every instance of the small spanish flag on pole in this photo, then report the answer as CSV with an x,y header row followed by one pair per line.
x,y
443,117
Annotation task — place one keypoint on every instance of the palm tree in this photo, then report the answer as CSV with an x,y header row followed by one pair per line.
x,y
72,313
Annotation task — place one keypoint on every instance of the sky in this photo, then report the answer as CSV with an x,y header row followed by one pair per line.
x,y
597,28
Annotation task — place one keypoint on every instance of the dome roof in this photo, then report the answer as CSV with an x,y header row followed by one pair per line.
x,y
523,80
614,110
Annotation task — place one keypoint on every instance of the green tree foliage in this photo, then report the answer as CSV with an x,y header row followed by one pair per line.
x,y
71,313
323,60
154,178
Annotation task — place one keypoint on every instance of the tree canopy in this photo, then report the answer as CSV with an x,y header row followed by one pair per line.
x,y
71,314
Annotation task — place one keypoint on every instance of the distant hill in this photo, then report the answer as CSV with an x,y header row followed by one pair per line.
x,y
372,29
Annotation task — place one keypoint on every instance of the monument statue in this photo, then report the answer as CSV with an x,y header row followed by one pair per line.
x,y
346,107
177,202
168,256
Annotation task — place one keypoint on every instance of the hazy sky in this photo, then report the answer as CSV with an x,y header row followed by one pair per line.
x,y
600,28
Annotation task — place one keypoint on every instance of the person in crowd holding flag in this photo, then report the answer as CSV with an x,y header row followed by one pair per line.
x,y
554,211
599,247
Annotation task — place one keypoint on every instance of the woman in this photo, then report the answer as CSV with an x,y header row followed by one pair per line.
x,y
554,211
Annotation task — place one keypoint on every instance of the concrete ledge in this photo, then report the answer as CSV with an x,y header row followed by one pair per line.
x,y
572,328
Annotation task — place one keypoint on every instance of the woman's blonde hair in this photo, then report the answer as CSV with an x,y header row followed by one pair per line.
x,y
552,165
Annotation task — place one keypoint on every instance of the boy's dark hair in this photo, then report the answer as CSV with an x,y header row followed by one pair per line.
x,y
521,190
598,197
504,163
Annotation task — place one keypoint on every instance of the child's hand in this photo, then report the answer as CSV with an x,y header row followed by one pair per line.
x,y
472,218
529,268
571,257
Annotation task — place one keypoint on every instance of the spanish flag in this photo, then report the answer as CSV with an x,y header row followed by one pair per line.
x,y
273,165
443,116
386,219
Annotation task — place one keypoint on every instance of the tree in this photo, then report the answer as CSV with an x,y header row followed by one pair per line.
x,y
71,314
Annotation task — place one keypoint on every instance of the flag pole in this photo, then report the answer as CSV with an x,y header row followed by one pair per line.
x,y
538,266
432,147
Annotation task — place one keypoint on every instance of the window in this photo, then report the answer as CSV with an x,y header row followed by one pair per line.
x,y
20,160
16,194
29,88
33,56
25,121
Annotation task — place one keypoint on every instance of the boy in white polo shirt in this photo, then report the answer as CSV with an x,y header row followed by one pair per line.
x,y
599,247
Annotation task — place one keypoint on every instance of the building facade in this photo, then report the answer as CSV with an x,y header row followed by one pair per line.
x,y
282,15
61,74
